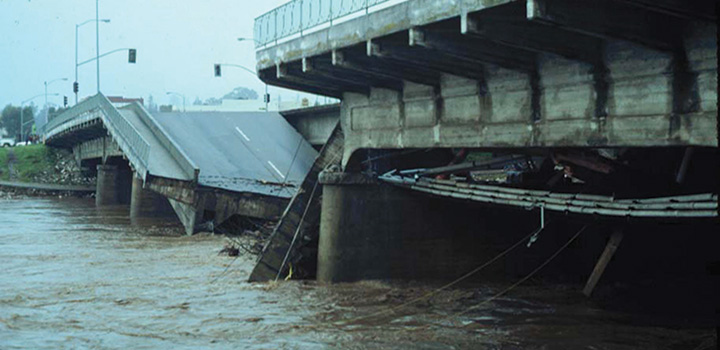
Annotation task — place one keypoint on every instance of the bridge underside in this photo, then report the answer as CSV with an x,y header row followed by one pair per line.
x,y
616,98
516,74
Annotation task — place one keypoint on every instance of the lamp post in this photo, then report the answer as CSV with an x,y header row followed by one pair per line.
x,y
46,85
217,74
179,94
266,98
50,82
76,50
22,112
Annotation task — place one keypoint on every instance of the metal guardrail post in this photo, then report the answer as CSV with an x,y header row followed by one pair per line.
x,y
291,25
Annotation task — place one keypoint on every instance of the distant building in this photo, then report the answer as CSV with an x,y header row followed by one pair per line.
x,y
120,101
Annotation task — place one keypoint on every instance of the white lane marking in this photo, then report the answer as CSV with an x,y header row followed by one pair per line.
x,y
243,134
276,169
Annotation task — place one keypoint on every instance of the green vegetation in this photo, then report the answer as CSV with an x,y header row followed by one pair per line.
x,y
30,161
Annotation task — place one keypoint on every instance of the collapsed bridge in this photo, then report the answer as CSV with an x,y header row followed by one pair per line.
x,y
616,99
207,166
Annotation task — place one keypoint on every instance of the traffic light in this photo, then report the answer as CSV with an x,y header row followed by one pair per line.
x,y
266,98
217,70
132,53
65,101
75,87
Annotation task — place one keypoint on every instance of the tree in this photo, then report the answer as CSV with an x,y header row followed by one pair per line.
x,y
197,102
10,119
241,93
212,101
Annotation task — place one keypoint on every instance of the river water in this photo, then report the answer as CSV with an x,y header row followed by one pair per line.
x,y
77,277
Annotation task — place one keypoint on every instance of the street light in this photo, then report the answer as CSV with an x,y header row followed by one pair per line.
x,y
46,85
50,82
218,73
179,94
76,51
22,112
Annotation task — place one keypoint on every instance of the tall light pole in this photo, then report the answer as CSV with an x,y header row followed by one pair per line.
x,y
76,52
50,82
266,97
179,94
218,73
46,85
22,112
97,43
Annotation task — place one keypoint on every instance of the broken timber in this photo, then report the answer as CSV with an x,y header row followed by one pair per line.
x,y
610,249
299,218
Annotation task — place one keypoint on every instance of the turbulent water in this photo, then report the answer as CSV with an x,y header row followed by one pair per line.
x,y
74,277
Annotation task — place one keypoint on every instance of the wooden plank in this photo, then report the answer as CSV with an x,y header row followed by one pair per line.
x,y
303,205
605,258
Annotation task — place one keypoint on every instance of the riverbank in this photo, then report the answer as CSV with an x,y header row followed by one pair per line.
x,y
37,170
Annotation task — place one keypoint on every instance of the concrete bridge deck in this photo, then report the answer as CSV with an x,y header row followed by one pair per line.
x,y
614,94
506,74
205,164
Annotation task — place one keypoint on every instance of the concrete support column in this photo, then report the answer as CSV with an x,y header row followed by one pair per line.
x,y
107,189
376,231
135,197
146,203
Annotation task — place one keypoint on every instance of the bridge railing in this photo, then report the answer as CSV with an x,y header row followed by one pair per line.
x,y
137,149
70,114
299,15
137,144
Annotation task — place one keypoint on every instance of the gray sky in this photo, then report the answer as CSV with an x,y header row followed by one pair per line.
x,y
177,44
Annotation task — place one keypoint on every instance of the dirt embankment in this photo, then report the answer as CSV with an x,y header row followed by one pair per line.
x,y
39,164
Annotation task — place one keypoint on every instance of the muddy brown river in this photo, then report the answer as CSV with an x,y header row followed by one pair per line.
x,y
76,277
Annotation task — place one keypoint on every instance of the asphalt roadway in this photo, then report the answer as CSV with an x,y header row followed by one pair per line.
x,y
253,152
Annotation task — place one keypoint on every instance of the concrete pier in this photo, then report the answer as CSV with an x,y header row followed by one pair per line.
x,y
146,203
375,231
107,192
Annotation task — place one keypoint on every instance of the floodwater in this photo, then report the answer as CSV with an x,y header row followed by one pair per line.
x,y
75,277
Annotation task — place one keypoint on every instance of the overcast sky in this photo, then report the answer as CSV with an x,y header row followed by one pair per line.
x,y
177,44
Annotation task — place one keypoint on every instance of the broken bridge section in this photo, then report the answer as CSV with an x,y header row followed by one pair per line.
x,y
202,165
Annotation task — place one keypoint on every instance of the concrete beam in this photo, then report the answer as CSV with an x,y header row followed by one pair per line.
x,y
529,35
383,70
190,215
294,84
326,70
290,74
609,19
414,57
472,49
686,9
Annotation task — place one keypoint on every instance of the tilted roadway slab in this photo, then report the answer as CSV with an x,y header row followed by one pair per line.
x,y
224,164
242,151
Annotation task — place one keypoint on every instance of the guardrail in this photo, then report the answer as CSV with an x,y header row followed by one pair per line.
x,y
70,114
299,15
127,131
130,140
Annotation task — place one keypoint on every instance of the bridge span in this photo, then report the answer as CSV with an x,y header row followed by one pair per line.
x,y
612,99
209,166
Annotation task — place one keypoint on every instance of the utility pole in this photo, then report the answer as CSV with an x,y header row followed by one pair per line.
x,y
97,43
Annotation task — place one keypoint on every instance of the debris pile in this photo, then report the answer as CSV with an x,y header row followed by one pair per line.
x,y
244,235
65,171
